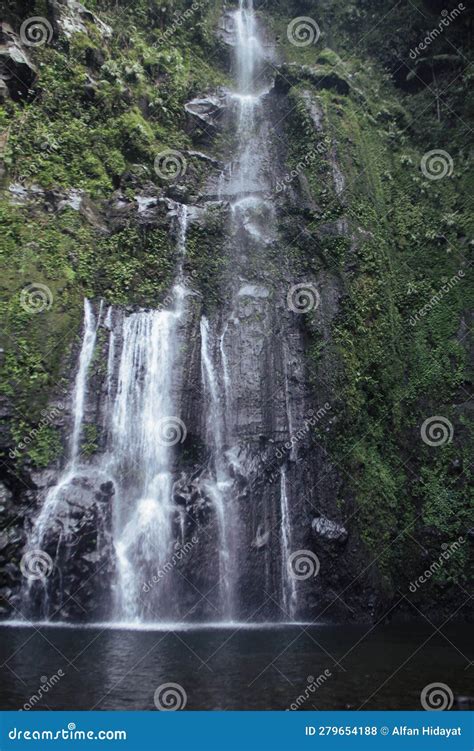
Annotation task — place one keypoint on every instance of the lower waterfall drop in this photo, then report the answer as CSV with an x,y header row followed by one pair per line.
x,y
288,585
91,325
220,485
145,428
142,456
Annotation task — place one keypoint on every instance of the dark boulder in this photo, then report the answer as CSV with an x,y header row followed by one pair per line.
x,y
17,72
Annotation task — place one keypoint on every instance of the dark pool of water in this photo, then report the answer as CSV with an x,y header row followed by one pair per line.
x,y
228,668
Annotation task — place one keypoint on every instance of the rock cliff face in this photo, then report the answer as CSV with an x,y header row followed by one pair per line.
x,y
275,280
246,479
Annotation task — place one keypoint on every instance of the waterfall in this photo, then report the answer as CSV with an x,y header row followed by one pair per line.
x,y
142,427
80,390
247,45
37,536
288,585
249,55
182,214
145,428
109,325
160,492
79,396
220,485
142,456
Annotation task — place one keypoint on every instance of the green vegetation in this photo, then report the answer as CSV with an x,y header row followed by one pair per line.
x,y
405,244
99,112
390,241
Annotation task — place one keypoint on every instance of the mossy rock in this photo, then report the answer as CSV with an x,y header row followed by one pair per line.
x,y
320,76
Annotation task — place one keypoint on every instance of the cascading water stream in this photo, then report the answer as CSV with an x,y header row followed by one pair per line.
x,y
91,325
220,485
144,429
251,188
36,538
141,424
288,584
216,373
140,412
142,455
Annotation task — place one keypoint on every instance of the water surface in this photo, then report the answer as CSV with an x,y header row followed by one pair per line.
x,y
234,667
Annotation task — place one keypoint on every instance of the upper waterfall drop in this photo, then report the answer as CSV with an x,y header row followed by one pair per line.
x,y
248,47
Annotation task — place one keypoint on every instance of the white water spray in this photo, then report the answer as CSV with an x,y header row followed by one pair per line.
x,y
288,584
79,397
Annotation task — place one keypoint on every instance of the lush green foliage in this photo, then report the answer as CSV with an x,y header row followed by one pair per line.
x,y
102,109
99,113
407,241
